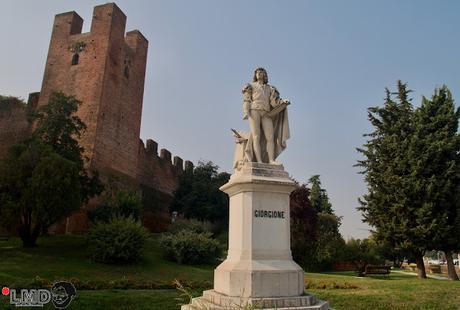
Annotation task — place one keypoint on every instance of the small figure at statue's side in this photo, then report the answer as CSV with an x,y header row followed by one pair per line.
x,y
268,120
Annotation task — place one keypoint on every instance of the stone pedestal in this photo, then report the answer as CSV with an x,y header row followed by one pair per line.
x,y
259,270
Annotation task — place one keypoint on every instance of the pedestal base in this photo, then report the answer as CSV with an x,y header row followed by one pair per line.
x,y
259,272
212,300
259,278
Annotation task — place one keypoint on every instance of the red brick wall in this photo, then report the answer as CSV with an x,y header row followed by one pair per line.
x,y
111,102
344,266
14,126
158,172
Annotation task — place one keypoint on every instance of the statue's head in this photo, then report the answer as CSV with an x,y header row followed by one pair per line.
x,y
260,73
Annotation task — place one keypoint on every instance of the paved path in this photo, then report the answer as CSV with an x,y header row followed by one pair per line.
x,y
414,274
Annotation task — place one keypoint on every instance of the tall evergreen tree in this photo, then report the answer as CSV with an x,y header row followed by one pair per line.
x,y
318,196
329,241
436,170
393,204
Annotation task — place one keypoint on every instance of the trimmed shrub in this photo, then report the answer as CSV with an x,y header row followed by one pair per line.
x,y
191,225
189,247
121,240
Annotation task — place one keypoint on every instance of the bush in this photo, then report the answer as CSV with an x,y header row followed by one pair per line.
x,y
190,225
125,204
121,240
101,213
189,247
129,204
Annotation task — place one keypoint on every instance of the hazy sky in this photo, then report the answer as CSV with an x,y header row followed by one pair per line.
x,y
332,59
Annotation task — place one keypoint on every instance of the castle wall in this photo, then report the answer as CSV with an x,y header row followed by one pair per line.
x,y
14,126
158,171
108,79
107,76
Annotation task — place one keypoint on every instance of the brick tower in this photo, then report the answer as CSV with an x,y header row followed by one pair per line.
x,y
105,70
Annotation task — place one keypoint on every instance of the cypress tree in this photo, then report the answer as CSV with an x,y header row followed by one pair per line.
x,y
436,148
318,196
393,205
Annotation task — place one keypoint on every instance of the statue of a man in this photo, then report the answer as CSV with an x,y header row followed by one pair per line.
x,y
268,120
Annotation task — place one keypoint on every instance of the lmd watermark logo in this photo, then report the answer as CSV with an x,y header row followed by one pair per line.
x,y
61,295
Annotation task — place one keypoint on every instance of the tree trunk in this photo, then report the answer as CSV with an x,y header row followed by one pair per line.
x,y
421,273
450,266
29,236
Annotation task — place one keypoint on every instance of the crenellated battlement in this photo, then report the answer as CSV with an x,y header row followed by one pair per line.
x,y
152,147
104,69
165,155
108,23
178,162
149,151
67,24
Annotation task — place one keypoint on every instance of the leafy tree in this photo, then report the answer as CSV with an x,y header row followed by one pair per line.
x,y
318,196
198,195
315,238
59,127
43,179
37,187
361,253
304,226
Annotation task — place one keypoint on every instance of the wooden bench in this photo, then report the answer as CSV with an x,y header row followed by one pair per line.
x,y
378,269
4,237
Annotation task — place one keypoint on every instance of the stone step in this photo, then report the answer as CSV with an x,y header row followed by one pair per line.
x,y
259,303
200,303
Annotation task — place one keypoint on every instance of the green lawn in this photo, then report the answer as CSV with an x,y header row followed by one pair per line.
x,y
65,257
399,291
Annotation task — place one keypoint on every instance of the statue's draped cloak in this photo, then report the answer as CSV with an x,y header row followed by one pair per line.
x,y
281,134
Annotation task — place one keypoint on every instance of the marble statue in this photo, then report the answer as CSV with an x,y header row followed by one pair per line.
x,y
268,121
259,272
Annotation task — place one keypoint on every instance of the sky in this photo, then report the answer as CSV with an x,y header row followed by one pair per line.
x,y
331,59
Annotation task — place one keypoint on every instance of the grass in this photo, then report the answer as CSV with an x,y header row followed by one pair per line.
x,y
398,291
121,300
65,257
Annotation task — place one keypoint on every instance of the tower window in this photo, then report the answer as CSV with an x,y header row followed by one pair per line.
x,y
126,72
75,59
